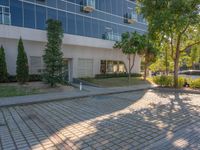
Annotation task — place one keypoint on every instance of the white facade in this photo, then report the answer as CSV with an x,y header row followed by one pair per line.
x,y
84,53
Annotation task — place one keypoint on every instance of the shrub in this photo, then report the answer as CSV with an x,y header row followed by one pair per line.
x,y
32,77
167,81
3,68
22,64
53,56
116,75
195,83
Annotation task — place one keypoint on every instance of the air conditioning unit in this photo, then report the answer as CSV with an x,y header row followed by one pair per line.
x,y
88,5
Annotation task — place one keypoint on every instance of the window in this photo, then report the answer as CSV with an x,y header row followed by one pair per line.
x,y
112,66
5,15
41,17
35,65
16,10
29,12
62,17
79,25
71,23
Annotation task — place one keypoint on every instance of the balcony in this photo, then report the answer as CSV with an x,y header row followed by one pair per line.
x,y
130,18
5,17
88,5
112,36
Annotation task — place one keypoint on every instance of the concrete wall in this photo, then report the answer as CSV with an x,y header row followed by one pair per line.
x,y
74,47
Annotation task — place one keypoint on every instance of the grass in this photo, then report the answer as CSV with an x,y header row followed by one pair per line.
x,y
116,82
9,91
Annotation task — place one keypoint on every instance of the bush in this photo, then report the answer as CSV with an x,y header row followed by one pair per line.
x,y
168,81
195,83
116,75
32,78
165,81
22,64
3,67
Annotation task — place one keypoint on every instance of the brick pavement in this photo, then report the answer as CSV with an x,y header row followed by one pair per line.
x,y
135,120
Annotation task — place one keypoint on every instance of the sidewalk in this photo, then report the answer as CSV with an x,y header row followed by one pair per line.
x,y
87,92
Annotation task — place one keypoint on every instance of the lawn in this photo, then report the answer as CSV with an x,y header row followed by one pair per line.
x,y
8,91
116,82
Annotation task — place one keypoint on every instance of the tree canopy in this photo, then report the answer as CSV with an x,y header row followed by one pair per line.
x,y
175,22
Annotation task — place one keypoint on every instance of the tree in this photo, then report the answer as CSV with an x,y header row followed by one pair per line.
x,y
149,53
22,64
130,46
178,21
194,56
53,57
3,67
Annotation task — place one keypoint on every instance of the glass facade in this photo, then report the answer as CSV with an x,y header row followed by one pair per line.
x,y
104,19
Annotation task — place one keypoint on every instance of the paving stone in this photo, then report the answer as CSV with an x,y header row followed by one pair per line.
x,y
121,121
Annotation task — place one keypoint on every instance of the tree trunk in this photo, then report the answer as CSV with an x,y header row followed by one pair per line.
x,y
176,63
145,71
129,68
166,63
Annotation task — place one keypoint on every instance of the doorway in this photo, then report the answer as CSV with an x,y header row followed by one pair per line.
x,y
67,69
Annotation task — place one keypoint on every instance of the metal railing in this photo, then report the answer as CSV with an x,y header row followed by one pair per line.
x,y
112,36
5,16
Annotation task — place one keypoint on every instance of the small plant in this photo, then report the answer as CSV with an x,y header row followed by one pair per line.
x,y
3,68
168,81
22,64
195,83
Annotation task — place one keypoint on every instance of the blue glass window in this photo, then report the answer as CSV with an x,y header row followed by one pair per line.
x,y
16,13
62,5
4,2
62,18
88,25
79,25
51,14
95,28
29,15
40,17
51,3
71,23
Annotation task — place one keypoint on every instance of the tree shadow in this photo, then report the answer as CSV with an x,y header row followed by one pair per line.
x,y
138,120
170,125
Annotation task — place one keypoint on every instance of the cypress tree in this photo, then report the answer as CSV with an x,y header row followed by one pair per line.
x,y
22,64
53,56
3,68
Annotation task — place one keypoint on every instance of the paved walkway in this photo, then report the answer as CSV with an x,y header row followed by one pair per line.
x,y
127,121
87,91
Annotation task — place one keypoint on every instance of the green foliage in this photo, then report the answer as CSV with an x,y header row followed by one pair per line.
x,y
53,57
165,81
175,22
130,44
22,64
168,81
3,67
195,83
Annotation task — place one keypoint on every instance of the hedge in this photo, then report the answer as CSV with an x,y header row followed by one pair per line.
x,y
168,81
195,83
33,77
116,75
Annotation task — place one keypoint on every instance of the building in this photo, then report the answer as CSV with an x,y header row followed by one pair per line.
x,y
91,28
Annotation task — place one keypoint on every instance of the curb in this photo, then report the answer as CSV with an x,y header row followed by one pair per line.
x,y
85,95
72,97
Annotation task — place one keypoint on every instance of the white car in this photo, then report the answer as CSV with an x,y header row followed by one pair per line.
x,y
192,74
